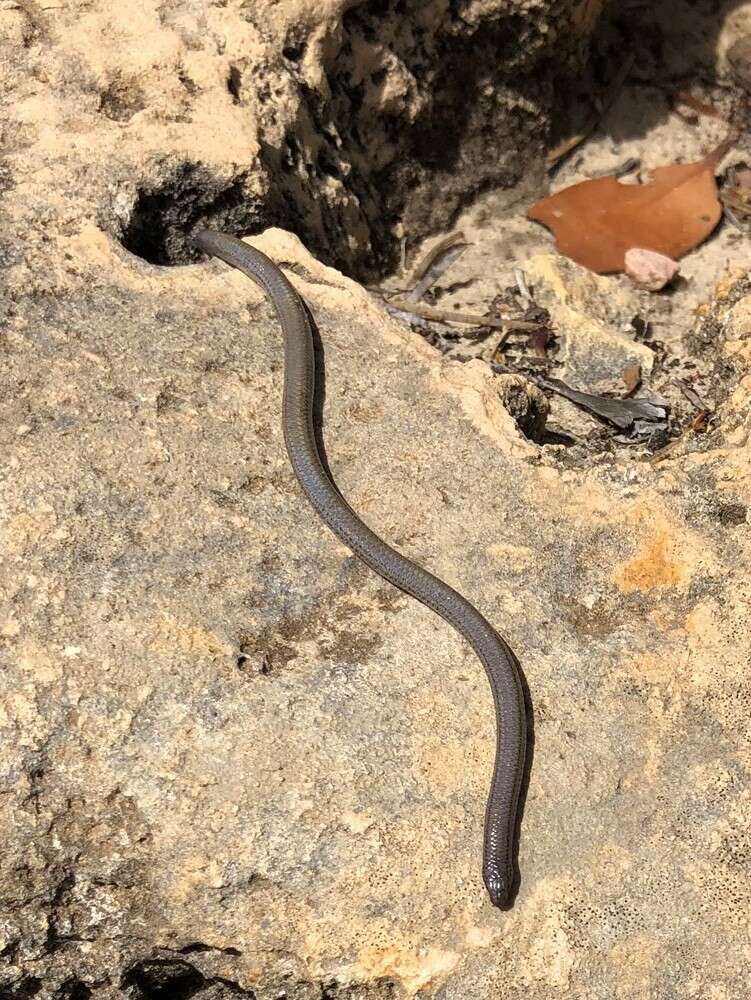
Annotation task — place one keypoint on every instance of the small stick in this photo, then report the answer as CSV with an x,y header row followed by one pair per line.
x,y
684,97
521,283
734,220
691,395
433,254
449,316
442,262
627,167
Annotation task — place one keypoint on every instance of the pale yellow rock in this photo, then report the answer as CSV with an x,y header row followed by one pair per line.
x,y
593,350
233,761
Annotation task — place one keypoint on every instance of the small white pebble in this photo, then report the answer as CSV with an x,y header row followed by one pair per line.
x,y
649,269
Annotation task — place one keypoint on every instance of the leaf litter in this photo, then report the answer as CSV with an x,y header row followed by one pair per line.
x,y
597,221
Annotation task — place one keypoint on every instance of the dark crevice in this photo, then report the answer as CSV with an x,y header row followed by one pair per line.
x,y
357,164
381,989
234,83
161,979
200,947
162,215
29,986
168,979
293,53
55,939
74,989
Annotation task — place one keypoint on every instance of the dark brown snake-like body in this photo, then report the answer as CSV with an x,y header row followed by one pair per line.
x,y
496,657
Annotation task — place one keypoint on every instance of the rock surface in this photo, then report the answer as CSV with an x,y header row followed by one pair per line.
x,y
234,762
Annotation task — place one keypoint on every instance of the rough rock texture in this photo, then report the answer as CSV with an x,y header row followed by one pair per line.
x,y
349,123
233,762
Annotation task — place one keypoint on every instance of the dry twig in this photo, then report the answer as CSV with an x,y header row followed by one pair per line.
x,y
468,319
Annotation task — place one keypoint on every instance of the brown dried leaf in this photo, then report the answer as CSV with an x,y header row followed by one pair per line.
x,y
632,379
687,98
538,341
597,221
699,423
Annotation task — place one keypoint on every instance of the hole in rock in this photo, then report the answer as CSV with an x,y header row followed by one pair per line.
x,y
29,986
164,213
167,979
234,83
162,980
433,118
420,111
74,989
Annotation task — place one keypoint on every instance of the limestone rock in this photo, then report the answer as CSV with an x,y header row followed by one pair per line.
x,y
588,316
234,762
